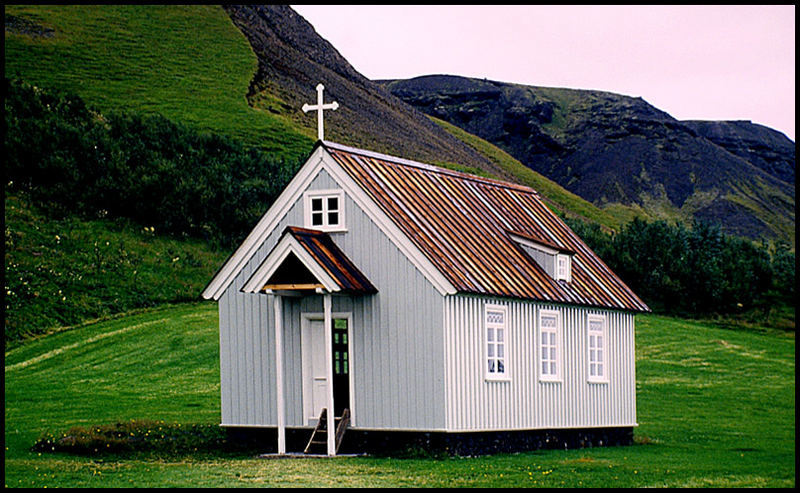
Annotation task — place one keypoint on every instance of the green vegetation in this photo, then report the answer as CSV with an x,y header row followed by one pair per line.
x,y
75,160
715,409
62,272
562,200
187,63
698,271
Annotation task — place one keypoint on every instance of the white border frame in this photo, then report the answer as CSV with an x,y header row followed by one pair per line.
x,y
305,335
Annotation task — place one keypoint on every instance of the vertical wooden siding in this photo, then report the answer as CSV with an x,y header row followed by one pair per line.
x,y
523,402
397,337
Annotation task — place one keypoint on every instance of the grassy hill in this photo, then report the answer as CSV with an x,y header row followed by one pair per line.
x,y
715,408
62,272
192,65
187,63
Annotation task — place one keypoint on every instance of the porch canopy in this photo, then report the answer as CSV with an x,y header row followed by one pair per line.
x,y
305,261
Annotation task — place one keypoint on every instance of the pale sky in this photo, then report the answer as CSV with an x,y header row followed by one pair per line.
x,y
694,62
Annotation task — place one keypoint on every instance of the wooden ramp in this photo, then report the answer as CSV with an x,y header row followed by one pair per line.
x,y
318,443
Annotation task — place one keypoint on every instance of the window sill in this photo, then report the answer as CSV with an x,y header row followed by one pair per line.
x,y
497,379
549,380
599,382
328,229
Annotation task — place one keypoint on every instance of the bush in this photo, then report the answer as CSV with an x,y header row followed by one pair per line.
x,y
140,436
695,271
74,160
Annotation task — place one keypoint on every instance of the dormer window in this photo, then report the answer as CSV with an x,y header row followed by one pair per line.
x,y
555,260
563,267
324,210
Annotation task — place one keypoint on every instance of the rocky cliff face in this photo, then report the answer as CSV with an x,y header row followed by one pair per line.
x,y
293,59
617,150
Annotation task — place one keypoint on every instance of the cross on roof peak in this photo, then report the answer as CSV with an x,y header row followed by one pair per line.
x,y
319,107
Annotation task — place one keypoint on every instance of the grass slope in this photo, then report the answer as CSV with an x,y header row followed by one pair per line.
x,y
188,63
63,272
715,408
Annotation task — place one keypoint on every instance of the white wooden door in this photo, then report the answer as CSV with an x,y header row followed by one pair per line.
x,y
316,377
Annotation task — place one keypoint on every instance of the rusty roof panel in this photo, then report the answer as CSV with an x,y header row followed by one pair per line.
x,y
465,224
325,252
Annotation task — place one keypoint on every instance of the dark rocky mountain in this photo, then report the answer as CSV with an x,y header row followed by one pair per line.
x,y
293,59
619,151
762,146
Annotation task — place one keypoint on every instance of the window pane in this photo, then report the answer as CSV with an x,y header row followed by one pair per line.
x,y
600,356
552,368
599,342
316,219
544,368
501,368
490,335
491,366
599,370
500,335
552,338
500,350
490,350
333,203
591,355
316,204
591,370
544,353
333,219
591,341
553,353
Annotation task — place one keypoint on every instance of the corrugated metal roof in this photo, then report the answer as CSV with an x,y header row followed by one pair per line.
x,y
325,252
464,226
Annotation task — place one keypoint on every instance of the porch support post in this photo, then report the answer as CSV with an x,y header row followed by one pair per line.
x,y
278,309
326,303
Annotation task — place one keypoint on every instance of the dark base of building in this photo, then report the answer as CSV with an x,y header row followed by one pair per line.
x,y
420,444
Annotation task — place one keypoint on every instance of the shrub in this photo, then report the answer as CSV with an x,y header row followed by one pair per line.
x,y
697,270
140,436
74,160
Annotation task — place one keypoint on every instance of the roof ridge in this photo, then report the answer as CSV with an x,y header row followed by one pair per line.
x,y
427,167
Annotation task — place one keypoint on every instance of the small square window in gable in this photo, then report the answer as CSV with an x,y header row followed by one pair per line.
x,y
324,210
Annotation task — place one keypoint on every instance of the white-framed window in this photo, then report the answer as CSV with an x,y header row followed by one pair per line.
x,y
549,345
496,317
324,210
563,267
598,348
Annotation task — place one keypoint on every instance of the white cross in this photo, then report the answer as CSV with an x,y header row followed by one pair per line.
x,y
319,107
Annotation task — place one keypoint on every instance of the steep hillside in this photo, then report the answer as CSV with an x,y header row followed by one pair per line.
x,y
241,71
293,59
187,63
621,153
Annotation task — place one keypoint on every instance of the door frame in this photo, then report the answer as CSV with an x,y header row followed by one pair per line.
x,y
305,345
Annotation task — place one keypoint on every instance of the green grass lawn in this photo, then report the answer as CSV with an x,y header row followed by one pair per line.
x,y
715,408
